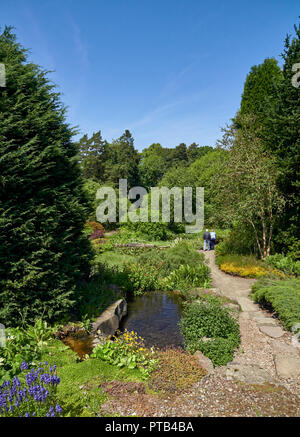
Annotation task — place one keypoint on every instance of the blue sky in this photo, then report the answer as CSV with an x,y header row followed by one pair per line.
x,y
170,71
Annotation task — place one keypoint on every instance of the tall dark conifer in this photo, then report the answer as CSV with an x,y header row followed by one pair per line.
x,y
282,135
42,206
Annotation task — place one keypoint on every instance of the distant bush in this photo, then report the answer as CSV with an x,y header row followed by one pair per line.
x,y
151,231
187,277
96,226
284,263
283,296
140,278
97,234
171,259
209,319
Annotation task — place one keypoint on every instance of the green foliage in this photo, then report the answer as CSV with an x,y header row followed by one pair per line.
x,y
258,88
91,187
23,344
209,319
283,296
94,296
187,277
238,240
43,252
150,231
284,263
106,163
171,259
92,154
140,278
127,350
282,137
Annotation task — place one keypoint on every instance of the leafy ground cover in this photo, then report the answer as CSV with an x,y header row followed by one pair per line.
x,y
282,296
210,328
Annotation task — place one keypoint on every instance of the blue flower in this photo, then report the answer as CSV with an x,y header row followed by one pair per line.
x,y
58,409
24,366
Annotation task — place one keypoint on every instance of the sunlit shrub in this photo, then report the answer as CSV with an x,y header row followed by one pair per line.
x,y
284,263
127,350
208,319
283,296
186,277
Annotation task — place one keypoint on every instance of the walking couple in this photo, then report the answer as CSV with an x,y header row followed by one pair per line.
x,y
209,239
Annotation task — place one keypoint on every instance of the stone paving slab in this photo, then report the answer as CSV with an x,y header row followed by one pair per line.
x,y
272,331
287,366
248,373
261,320
246,304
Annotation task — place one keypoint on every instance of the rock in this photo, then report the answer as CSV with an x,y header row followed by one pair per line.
x,y
261,320
109,320
248,373
246,304
232,306
272,331
287,366
204,362
281,348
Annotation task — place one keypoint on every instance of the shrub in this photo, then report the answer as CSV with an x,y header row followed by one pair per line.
x,y
245,266
283,296
140,278
127,350
187,277
97,234
171,259
284,263
151,231
23,344
209,319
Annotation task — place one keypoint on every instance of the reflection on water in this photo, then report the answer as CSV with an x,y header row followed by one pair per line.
x,y
155,316
81,345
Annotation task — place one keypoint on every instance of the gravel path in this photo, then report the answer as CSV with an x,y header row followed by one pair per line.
x,y
262,380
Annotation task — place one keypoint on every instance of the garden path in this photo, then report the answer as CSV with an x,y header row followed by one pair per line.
x,y
268,351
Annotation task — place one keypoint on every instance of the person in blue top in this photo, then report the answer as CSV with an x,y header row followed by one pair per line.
x,y
212,239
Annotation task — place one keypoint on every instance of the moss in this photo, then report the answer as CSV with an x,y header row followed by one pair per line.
x,y
80,392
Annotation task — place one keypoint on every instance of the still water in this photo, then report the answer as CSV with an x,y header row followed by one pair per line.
x,y
155,316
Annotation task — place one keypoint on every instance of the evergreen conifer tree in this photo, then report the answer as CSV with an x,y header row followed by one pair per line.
x,y
43,252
